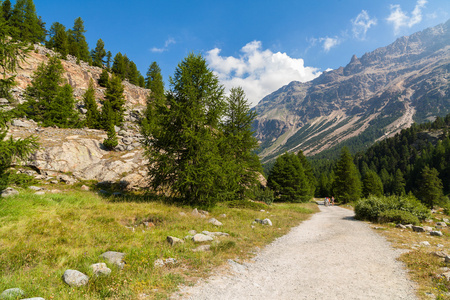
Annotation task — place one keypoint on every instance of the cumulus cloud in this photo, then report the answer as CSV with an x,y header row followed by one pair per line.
x,y
259,72
329,43
168,42
400,19
361,24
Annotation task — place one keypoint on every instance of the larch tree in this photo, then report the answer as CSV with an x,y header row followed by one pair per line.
x,y
92,114
430,187
346,184
26,25
155,98
98,54
58,39
78,46
116,100
371,184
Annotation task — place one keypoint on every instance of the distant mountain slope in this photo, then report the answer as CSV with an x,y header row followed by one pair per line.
x,y
372,97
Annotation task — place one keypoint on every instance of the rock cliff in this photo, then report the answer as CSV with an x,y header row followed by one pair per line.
x,y
373,97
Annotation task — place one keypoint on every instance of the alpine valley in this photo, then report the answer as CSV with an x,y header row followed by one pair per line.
x,y
373,97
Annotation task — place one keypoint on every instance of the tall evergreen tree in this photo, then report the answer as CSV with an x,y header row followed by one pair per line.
x,y
346,185
92,114
108,60
398,185
155,97
6,10
184,154
58,39
309,173
287,179
104,78
25,22
114,95
372,184
430,187
78,46
60,110
10,149
119,67
133,73
98,54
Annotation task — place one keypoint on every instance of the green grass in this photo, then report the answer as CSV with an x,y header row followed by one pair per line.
x,y
42,236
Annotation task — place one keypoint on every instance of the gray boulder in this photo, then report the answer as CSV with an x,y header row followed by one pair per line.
x,y
13,293
436,233
418,229
100,269
75,278
442,224
215,222
115,258
199,238
174,240
8,192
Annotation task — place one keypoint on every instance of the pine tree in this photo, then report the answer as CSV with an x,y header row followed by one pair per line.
x,y
114,95
92,114
309,173
60,110
398,185
133,73
78,46
10,149
184,139
108,60
430,187
25,22
6,10
346,185
111,141
58,39
372,184
98,54
155,97
287,179
104,78
119,68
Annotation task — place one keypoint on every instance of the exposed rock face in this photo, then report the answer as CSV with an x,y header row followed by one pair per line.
x,y
383,91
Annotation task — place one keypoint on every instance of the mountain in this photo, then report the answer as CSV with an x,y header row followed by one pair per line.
x,y
371,98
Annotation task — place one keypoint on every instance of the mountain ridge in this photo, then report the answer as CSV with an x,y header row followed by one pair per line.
x,y
377,95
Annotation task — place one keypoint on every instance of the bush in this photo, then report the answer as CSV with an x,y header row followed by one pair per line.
x,y
398,216
372,207
245,204
264,195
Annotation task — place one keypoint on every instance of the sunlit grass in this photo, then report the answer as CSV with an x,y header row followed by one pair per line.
x,y
42,236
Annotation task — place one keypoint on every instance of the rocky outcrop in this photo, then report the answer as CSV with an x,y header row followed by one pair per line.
x,y
384,91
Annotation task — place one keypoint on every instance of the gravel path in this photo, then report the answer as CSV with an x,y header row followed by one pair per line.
x,y
330,256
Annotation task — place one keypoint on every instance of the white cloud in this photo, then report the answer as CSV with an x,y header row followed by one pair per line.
x,y
167,43
329,43
400,19
361,24
259,72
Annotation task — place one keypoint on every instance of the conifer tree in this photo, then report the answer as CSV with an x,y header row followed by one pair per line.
x,y
372,184
92,114
119,68
155,97
58,39
10,149
78,46
133,73
184,154
430,187
308,172
98,54
111,141
346,185
398,185
25,22
287,179
114,95
108,60
60,110
104,78
6,10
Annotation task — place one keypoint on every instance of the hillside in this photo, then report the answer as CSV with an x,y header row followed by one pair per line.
x,y
373,97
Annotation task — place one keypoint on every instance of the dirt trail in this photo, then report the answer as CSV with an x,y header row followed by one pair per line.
x,y
330,256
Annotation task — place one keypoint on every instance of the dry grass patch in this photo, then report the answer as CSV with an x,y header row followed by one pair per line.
x,y
42,236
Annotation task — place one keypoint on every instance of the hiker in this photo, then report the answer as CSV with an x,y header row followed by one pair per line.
x,y
332,200
326,201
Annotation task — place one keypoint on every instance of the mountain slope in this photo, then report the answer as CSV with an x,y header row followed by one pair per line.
x,y
372,97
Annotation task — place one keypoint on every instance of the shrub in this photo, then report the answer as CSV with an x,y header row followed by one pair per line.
x,y
264,195
245,204
398,216
372,207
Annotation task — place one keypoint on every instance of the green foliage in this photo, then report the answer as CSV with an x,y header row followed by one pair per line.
x,y
111,141
430,187
114,103
398,217
372,184
98,54
245,204
154,82
25,24
92,115
287,179
346,185
264,195
78,46
104,78
22,180
47,101
371,208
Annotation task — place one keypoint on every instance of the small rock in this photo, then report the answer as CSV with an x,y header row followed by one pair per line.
x,y
195,212
447,259
199,238
262,210
267,222
442,224
424,243
35,188
428,221
84,188
40,193
202,248
54,181
440,246
400,226
436,233
223,216
440,254
9,192
75,278
409,226
158,263
22,123
215,222
218,233
174,240
445,220
114,258
257,221
13,293
4,101
170,261
203,212
183,214
100,269
428,228
418,229
192,232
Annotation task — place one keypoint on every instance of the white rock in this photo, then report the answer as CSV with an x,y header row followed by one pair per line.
x,y
267,222
174,240
424,243
215,222
199,238
114,258
100,269
75,278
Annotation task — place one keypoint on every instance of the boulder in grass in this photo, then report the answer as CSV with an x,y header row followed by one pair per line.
x,y
115,258
13,293
75,278
418,229
215,222
174,240
100,269
202,248
200,238
8,192
436,233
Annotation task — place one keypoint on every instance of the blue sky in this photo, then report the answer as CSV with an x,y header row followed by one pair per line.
x,y
259,45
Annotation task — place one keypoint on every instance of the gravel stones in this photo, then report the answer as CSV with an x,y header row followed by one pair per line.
x,y
75,278
114,258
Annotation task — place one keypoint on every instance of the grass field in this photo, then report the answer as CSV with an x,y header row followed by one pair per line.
x,y
41,236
